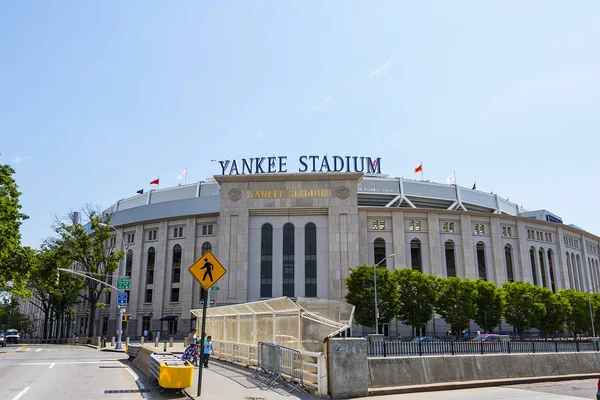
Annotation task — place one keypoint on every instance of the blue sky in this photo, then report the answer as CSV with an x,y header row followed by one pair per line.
x,y
99,98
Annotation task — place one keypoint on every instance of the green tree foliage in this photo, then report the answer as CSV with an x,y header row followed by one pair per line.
x,y
361,294
417,296
578,319
489,304
557,310
13,272
86,248
456,302
523,305
12,318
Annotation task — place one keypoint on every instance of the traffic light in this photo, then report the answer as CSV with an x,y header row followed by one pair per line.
x,y
57,280
126,317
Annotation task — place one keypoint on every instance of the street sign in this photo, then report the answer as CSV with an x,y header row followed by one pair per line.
x,y
207,270
214,288
122,298
212,302
123,283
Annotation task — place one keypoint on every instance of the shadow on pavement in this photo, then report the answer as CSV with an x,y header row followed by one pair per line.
x,y
243,377
150,386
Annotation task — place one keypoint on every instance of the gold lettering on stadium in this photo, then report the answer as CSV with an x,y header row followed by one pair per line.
x,y
289,193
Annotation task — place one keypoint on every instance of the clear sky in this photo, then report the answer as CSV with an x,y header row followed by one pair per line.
x,y
99,98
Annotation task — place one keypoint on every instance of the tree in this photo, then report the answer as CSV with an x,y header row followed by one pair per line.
x,y
456,302
523,305
87,247
50,297
557,311
11,218
361,294
11,316
417,296
489,304
578,319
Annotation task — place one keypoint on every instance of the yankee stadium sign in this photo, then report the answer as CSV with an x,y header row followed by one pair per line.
x,y
272,165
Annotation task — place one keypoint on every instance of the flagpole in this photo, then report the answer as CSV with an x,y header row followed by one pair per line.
x,y
185,177
455,180
422,178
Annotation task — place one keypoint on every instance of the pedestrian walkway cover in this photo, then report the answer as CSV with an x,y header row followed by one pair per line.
x,y
301,325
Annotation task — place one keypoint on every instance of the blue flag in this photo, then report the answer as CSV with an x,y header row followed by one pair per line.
x,y
141,191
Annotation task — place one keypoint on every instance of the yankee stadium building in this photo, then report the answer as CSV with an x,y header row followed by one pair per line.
x,y
296,233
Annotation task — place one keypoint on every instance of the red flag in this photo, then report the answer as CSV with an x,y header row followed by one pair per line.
x,y
154,182
419,168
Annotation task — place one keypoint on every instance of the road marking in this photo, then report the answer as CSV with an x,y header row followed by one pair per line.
x,y
38,350
139,383
71,362
52,365
21,393
27,349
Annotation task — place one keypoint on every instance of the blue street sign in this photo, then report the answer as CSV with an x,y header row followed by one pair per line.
x,y
122,298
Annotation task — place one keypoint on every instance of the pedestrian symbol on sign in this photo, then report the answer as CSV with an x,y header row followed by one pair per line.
x,y
208,267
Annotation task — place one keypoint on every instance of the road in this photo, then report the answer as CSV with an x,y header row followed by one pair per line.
x,y
566,390
30,372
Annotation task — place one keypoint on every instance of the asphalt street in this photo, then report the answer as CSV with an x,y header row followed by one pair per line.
x,y
65,372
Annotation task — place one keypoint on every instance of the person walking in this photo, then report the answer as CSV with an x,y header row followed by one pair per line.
x,y
145,334
208,350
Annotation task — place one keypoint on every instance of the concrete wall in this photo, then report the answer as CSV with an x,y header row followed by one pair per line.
x,y
405,371
347,368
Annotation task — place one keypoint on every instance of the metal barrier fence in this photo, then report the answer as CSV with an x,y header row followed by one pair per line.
x,y
275,361
400,348
313,364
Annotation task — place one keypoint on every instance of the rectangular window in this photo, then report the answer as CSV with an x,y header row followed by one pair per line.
x,y
210,229
375,225
448,226
149,276
151,235
128,296
504,231
479,229
112,242
130,237
174,295
378,224
146,323
310,260
204,230
550,237
546,236
176,274
178,232
411,225
148,298
509,231
537,235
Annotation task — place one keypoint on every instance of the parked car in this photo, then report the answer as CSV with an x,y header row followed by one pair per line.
x,y
12,336
425,339
490,337
2,339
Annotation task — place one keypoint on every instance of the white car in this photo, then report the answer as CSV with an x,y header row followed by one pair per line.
x,y
12,336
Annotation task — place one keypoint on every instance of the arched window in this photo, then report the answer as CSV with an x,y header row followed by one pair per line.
x,y
533,268
206,246
129,263
266,261
379,251
176,275
150,266
288,260
510,274
481,261
310,260
415,255
543,267
570,271
551,268
578,277
450,259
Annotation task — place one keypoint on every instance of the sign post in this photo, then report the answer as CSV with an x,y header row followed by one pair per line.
x,y
207,270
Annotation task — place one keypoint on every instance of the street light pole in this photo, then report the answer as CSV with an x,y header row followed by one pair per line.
x,y
375,287
121,269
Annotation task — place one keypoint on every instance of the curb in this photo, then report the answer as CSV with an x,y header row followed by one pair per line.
x,y
434,387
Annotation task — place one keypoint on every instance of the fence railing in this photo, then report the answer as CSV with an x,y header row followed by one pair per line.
x,y
275,362
314,368
401,348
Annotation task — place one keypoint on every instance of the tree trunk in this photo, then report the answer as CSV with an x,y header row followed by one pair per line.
x,y
92,320
46,317
51,318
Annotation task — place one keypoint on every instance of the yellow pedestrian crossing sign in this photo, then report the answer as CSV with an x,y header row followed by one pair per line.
x,y
207,270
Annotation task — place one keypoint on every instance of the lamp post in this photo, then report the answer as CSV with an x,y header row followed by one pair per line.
x,y
591,313
375,286
121,269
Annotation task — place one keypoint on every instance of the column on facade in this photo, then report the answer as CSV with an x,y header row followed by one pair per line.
x,y
524,263
499,265
159,286
398,235
435,245
586,265
560,262
468,268
363,227
186,282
